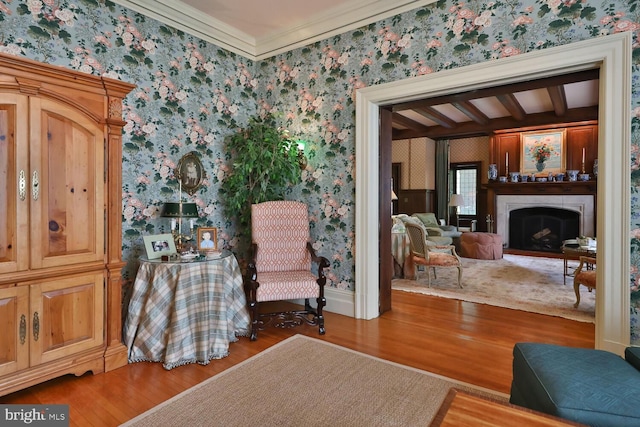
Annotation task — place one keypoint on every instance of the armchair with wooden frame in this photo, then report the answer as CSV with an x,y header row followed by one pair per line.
x,y
280,266
585,275
430,255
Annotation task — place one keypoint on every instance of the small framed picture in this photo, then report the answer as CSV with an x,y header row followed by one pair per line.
x,y
190,172
207,239
158,245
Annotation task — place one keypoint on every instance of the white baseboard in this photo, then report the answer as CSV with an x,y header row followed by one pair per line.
x,y
338,301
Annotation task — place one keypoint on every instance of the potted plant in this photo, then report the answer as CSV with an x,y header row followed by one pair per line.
x,y
264,163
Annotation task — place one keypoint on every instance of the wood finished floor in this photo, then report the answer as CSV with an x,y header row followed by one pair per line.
x,y
466,341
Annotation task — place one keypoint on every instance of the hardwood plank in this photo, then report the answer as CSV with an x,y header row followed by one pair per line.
x,y
465,409
465,341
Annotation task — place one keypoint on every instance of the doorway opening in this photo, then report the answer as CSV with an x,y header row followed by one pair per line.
x,y
612,54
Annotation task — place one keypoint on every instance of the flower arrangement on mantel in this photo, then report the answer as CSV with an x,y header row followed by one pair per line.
x,y
541,151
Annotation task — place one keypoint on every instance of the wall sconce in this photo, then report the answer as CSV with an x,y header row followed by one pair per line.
x,y
176,211
302,159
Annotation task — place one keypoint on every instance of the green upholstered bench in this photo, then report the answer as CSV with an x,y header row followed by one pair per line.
x,y
592,387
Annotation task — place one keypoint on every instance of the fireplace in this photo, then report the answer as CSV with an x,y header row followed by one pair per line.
x,y
580,207
542,228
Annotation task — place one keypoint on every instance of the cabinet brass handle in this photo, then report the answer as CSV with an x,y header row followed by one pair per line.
x,y
35,186
22,185
23,329
36,326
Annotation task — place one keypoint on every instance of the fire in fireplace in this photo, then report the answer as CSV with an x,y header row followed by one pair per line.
x,y
542,228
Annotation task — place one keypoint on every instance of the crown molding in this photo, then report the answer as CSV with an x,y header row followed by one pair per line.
x,y
349,16
190,20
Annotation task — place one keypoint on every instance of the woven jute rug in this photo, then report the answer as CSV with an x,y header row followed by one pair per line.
x,y
304,381
534,284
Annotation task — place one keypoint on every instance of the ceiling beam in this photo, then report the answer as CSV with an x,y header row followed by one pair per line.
x,y
510,102
407,122
470,129
558,99
472,112
436,116
501,90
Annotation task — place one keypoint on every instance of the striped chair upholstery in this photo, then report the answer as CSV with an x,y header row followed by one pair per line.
x,y
280,266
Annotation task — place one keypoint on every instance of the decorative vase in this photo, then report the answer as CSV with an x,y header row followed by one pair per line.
x,y
540,166
493,172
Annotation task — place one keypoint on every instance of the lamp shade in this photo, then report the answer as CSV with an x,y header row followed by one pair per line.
x,y
179,210
456,200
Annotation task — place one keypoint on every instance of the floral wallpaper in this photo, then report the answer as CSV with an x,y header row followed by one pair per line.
x,y
191,94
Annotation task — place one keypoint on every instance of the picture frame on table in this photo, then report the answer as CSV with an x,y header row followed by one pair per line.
x,y
543,152
207,239
157,245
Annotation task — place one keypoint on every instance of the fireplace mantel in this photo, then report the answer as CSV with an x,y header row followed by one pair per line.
x,y
564,187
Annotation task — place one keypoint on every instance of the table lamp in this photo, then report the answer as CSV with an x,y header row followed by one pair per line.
x,y
456,201
176,211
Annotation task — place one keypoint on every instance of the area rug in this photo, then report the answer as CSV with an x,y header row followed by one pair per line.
x,y
533,284
304,381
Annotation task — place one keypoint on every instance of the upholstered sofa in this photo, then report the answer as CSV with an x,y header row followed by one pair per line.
x,y
432,236
591,387
433,226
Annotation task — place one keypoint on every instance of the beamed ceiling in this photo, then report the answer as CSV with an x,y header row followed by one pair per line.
x,y
559,99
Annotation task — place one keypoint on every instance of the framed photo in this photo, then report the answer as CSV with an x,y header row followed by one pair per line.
x,y
207,239
190,172
543,152
158,245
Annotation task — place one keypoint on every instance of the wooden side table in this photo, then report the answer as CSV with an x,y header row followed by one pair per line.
x,y
461,408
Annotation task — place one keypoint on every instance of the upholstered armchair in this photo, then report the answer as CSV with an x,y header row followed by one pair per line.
x,y
430,255
585,275
433,226
280,266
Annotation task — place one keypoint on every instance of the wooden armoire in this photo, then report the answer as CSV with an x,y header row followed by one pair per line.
x,y
60,222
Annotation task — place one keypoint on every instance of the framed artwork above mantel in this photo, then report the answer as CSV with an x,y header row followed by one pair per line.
x,y
543,152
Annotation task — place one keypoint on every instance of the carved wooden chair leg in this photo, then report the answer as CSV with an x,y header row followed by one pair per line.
x,y
576,288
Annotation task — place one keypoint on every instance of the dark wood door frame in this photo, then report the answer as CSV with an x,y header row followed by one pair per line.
x,y
384,208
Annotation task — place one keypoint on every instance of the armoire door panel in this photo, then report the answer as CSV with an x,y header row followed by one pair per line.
x,y
67,317
14,231
67,216
14,340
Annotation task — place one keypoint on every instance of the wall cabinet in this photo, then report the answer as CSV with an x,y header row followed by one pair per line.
x,y
60,222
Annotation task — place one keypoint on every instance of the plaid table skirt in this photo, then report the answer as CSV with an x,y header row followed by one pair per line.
x,y
182,313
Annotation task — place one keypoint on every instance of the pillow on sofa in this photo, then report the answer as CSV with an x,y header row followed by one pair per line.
x,y
632,355
412,220
428,219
